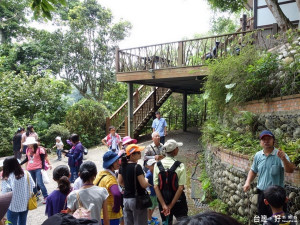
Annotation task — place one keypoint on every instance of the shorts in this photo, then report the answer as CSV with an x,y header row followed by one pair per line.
x,y
154,202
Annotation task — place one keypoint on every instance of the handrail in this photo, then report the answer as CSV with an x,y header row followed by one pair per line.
x,y
194,39
123,105
143,102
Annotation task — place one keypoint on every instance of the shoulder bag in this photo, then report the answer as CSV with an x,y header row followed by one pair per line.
x,y
32,202
81,212
142,201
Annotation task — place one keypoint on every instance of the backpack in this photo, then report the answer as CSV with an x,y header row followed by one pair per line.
x,y
168,181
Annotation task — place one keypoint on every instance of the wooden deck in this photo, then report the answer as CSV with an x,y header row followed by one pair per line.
x,y
181,66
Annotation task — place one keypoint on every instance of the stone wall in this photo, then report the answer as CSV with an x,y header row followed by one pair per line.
x,y
228,172
280,115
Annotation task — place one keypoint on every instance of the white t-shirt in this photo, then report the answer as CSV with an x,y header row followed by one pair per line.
x,y
77,184
93,194
59,145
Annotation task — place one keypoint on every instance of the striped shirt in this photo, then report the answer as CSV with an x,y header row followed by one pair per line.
x,y
20,189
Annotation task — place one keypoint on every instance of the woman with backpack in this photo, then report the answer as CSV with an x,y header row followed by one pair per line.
x,y
107,179
35,159
133,184
89,200
75,156
21,184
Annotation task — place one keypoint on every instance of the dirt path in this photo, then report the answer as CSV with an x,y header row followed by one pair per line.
x,y
186,155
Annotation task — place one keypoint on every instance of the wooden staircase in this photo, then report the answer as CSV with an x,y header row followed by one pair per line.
x,y
147,100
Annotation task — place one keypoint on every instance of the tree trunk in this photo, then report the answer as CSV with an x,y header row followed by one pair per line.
x,y
283,22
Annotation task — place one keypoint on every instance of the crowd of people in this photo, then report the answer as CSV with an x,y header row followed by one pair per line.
x,y
125,192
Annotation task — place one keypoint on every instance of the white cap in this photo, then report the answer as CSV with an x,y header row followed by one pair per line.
x,y
150,162
58,138
171,145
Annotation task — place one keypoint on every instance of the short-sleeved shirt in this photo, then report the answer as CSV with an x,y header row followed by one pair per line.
x,y
56,202
152,150
59,145
34,159
107,181
270,169
94,194
77,184
127,172
149,176
21,191
159,126
167,162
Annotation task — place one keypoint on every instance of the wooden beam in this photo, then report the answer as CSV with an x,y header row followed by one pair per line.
x,y
163,73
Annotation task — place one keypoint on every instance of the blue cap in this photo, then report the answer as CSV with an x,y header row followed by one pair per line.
x,y
266,133
109,158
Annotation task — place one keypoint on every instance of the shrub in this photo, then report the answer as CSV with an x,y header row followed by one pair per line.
x,y
48,140
87,118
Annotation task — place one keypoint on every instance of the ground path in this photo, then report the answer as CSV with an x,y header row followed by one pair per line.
x,y
186,155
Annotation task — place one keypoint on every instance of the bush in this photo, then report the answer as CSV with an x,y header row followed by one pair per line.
x,y
87,119
48,140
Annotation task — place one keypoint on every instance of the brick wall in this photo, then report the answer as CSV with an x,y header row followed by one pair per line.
x,y
280,104
243,163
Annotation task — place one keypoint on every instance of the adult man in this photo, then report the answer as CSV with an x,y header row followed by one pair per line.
x,y
17,143
160,125
270,163
155,149
178,205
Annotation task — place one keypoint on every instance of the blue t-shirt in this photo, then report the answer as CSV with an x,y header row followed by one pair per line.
x,y
159,126
56,202
149,176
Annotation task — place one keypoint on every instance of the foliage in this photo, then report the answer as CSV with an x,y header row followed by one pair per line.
x,y
48,140
225,5
12,19
44,8
87,118
249,78
87,49
115,96
29,100
241,219
220,24
218,206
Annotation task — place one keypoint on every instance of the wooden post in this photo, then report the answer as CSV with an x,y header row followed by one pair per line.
x,y
184,112
126,126
274,28
244,22
130,109
117,60
107,125
180,60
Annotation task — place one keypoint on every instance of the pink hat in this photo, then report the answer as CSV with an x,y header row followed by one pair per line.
x,y
127,140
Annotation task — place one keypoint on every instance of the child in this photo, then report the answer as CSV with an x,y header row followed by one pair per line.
x,y
59,147
112,140
275,196
56,201
149,176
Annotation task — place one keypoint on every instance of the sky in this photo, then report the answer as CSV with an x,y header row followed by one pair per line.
x,y
160,21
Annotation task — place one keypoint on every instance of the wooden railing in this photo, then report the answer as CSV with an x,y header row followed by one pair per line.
x,y
118,117
146,100
147,108
192,52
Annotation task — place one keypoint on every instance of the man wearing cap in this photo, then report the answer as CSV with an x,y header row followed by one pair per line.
x,y
270,163
160,125
178,206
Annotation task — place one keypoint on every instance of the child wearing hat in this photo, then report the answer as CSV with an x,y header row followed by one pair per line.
x,y
107,179
149,175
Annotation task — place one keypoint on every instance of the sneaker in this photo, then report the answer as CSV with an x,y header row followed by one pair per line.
x,y
44,201
38,193
154,218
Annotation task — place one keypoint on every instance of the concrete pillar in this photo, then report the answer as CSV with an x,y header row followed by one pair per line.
x,y
184,112
130,109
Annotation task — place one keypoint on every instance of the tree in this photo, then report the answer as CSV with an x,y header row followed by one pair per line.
x,y
88,48
12,19
43,8
234,6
